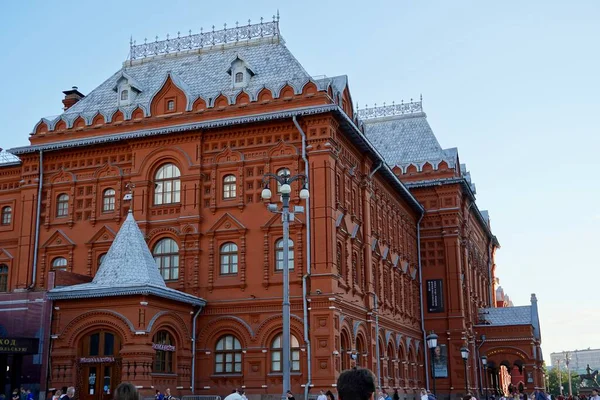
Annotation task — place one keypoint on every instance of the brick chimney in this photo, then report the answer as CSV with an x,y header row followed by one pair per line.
x,y
72,96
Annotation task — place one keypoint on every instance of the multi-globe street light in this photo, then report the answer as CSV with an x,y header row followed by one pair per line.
x,y
432,344
285,189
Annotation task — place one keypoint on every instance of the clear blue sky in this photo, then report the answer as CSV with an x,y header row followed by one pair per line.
x,y
513,84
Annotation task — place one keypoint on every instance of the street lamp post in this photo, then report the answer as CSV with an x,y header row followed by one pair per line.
x,y
285,189
464,353
484,363
567,359
432,344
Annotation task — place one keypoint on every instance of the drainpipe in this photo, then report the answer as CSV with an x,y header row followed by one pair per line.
x,y
426,349
490,278
308,264
478,361
375,170
37,221
194,350
375,308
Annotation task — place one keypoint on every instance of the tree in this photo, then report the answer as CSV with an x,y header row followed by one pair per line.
x,y
554,388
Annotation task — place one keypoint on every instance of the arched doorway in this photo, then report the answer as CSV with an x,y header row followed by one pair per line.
x,y
99,372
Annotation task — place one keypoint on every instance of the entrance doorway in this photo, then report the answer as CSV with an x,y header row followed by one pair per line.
x,y
99,371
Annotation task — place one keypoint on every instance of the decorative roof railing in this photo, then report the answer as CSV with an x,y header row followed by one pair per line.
x,y
401,108
204,39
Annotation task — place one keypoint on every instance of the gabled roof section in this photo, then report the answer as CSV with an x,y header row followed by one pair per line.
x,y
7,158
202,66
127,269
130,80
403,135
521,315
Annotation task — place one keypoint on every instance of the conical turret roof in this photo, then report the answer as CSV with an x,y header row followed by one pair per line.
x,y
128,269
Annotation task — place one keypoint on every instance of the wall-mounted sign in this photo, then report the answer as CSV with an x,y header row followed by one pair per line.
x,y
435,296
163,347
96,360
19,345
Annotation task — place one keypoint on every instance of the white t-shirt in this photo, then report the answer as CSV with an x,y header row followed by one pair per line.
x,y
322,397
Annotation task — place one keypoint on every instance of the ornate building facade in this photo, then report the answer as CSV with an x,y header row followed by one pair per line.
x,y
172,148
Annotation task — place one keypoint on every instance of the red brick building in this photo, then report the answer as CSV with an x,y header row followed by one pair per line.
x,y
182,135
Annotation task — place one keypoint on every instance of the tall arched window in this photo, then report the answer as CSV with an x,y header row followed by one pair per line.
x,y
229,189
6,215
62,205
166,255
279,255
345,350
228,355
3,278
402,364
276,358
360,351
59,264
282,172
108,200
167,185
164,346
229,258
390,364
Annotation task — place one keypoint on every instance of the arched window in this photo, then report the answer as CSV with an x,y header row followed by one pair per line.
x,y
239,77
360,351
279,255
166,255
401,364
62,205
282,172
229,189
167,186
276,358
3,278
108,200
228,355
391,372
59,264
229,258
164,346
124,94
345,350
6,215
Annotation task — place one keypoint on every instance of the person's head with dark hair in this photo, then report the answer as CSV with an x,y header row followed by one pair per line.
x,y
356,384
126,391
467,397
330,395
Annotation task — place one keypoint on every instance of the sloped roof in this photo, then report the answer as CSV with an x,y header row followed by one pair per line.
x,y
521,315
7,158
407,139
127,269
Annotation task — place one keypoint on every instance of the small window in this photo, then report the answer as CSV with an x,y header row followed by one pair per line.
x,y
3,278
229,258
62,205
279,255
108,200
166,255
6,215
229,191
124,95
164,347
228,355
171,105
59,264
239,77
276,358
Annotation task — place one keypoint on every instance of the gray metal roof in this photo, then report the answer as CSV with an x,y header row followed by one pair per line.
x,y
7,158
127,269
521,315
407,139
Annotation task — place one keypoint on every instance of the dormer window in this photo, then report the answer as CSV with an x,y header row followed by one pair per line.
x,y
126,89
124,95
240,72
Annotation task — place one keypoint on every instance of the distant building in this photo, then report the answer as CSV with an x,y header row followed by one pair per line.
x,y
579,359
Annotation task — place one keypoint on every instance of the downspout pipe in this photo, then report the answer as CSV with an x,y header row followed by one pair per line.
x,y
308,265
377,350
193,387
479,366
37,221
426,349
375,170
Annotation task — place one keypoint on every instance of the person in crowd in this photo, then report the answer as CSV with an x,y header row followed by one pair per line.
x,y
29,394
290,395
329,395
235,395
126,391
431,396
243,394
57,394
23,395
595,395
356,384
396,395
380,396
15,395
321,395
423,394
159,395
167,395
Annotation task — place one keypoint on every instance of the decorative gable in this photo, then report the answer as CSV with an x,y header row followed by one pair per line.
x,y
104,236
240,72
127,89
58,239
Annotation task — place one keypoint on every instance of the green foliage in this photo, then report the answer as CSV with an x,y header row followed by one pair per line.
x,y
555,387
